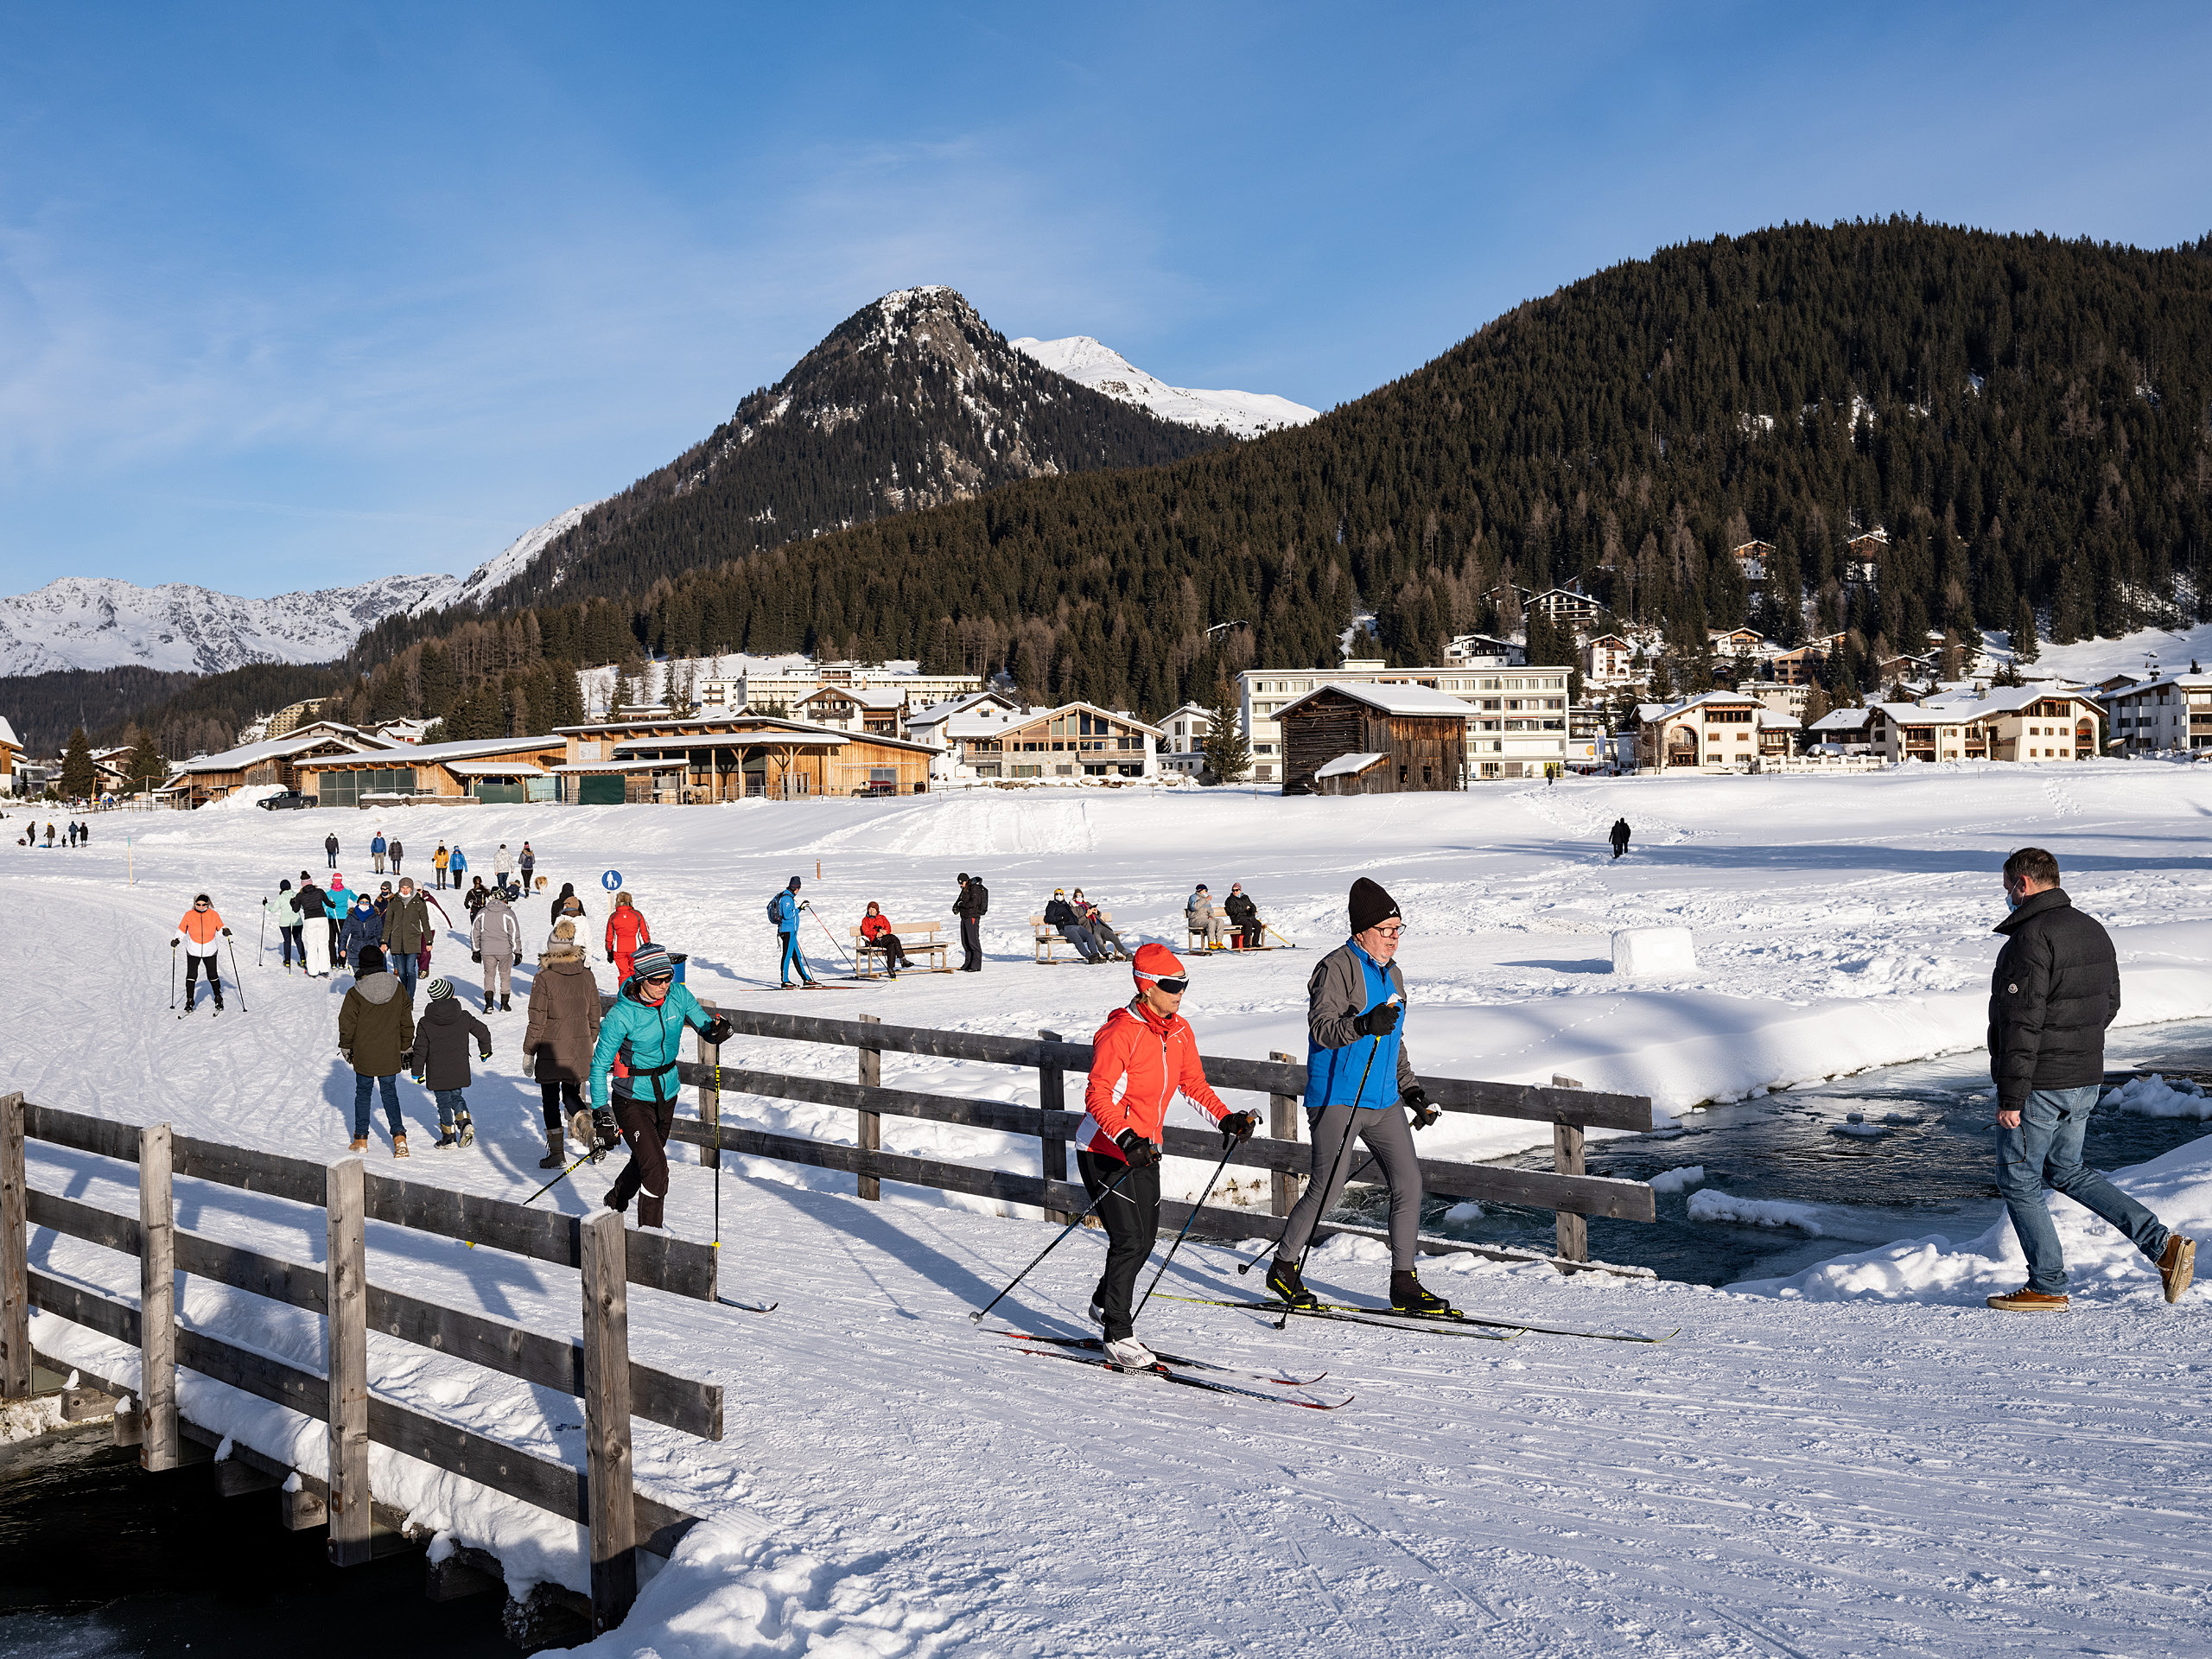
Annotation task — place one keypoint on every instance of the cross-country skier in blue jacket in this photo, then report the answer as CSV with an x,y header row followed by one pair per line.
x,y
645,1030
786,910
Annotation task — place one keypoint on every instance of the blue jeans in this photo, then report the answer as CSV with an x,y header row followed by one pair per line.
x,y
361,1088
450,1102
2046,1151
793,958
409,966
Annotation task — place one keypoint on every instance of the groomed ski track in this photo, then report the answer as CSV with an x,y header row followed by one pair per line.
x,y
1784,1477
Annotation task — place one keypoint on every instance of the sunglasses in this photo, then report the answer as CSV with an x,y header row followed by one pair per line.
x,y
661,979
1173,987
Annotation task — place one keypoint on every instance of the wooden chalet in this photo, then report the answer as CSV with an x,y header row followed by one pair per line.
x,y
1355,739
731,757
498,770
275,760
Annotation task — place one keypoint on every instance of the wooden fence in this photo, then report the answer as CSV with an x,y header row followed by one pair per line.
x,y
1566,1189
599,1369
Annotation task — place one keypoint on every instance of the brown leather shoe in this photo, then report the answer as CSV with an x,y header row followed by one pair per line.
x,y
2178,1265
2025,1300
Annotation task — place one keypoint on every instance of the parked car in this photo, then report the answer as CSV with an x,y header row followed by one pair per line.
x,y
284,803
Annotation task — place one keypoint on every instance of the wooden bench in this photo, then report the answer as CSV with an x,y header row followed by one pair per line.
x,y
1195,939
1050,940
922,942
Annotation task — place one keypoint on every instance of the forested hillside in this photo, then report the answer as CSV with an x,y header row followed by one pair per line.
x,y
187,713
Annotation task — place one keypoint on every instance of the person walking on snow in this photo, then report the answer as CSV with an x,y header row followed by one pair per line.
x,y
362,928
625,932
1142,1057
970,907
438,861
558,1040
457,867
784,908
567,896
201,932
376,1029
502,866
439,1060
529,862
1359,1083
287,924
645,1030
376,851
330,848
406,930
315,947
1620,836
495,938
397,853
476,898
2056,988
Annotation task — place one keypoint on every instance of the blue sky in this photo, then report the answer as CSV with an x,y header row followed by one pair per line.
x,y
292,296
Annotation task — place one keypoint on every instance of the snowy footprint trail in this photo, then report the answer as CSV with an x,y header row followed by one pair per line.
x,y
1890,1470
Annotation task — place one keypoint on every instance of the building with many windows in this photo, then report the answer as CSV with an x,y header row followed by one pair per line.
x,y
274,761
502,770
709,758
2172,711
1064,744
1183,746
1715,731
1517,717
786,688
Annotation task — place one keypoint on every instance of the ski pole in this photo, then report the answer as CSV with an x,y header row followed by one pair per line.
x,y
977,1316
1185,1233
832,938
173,977
1288,943
233,943
260,951
556,1181
1247,1267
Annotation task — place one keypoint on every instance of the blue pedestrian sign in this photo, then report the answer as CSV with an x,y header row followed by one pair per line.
x,y
611,880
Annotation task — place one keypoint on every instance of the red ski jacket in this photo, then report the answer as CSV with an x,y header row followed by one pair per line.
x,y
626,931
1152,1059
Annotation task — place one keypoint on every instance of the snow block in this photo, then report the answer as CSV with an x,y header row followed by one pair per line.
x,y
1649,952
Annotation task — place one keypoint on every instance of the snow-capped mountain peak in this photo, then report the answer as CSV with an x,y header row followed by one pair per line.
x,y
1088,363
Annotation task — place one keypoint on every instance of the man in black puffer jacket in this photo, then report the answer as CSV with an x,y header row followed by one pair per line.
x,y
2056,988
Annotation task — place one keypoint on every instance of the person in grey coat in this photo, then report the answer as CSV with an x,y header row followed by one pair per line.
x,y
2055,990
496,938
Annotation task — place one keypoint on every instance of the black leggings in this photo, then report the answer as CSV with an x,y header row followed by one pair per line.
x,y
195,965
560,1097
1131,1218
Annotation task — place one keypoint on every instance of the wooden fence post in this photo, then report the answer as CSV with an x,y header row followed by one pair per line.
x,y
611,1503
871,1134
1283,1125
15,1255
710,1098
157,1301
1052,1097
348,1318
1572,1230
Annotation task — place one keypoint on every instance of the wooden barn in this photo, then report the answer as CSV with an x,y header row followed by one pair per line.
x,y
1352,739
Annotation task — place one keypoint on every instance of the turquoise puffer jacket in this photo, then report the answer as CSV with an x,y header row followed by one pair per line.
x,y
647,1041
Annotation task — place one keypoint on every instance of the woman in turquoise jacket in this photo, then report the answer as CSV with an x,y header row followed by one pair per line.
x,y
644,1031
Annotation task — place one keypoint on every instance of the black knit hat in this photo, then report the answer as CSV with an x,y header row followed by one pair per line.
x,y
1370,906
371,961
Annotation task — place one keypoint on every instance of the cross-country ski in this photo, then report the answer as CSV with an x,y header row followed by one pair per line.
x,y
1166,1372
1097,1345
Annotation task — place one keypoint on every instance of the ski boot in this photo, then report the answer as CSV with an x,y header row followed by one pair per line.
x,y
1284,1280
1128,1354
399,1145
464,1128
1406,1296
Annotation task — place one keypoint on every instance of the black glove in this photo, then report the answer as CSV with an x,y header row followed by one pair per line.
x,y
1141,1152
1378,1021
227,932
1419,1108
476,956
1237,1126
716,1032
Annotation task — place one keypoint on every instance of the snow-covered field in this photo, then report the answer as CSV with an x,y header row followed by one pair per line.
x,y
1858,1459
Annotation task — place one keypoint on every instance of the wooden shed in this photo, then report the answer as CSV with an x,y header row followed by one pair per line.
x,y
1405,738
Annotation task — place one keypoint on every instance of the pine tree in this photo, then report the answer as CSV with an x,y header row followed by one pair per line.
x,y
144,767
1229,755
79,779
2024,648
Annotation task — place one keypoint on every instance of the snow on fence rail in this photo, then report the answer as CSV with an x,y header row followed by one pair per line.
x,y
1565,1188
598,1369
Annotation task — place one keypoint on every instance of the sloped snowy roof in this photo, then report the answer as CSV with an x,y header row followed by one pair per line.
x,y
1390,699
307,737
442,754
868,698
7,734
1667,710
1346,765
1773,720
1841,720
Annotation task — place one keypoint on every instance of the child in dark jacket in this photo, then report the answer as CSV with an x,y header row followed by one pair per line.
x,y
439,1060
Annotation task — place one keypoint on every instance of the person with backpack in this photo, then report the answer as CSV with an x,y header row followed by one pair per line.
x,y
406,931
495,940
201,933
645,1030
377,852
558,1040
1143,1057
376,1029
783,912
625,932
330,847
970,907
529,862
439,1060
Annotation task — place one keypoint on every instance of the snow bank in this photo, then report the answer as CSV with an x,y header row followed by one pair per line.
x,y
1711,1204
2153,1097
1679,1179
2101,1264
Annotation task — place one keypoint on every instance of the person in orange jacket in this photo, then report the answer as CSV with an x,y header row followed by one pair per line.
x,y
1149,1051
625,932
201,932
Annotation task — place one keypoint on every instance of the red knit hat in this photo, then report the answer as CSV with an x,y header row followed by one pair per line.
x,y
1156,962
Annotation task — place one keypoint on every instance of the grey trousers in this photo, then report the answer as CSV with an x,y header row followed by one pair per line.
x,y
1390,1138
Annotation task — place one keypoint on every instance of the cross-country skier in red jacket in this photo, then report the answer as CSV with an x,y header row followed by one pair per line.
x,y
625,932
1149,1051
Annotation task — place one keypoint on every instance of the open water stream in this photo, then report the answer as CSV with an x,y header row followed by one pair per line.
x,y
1922,1160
